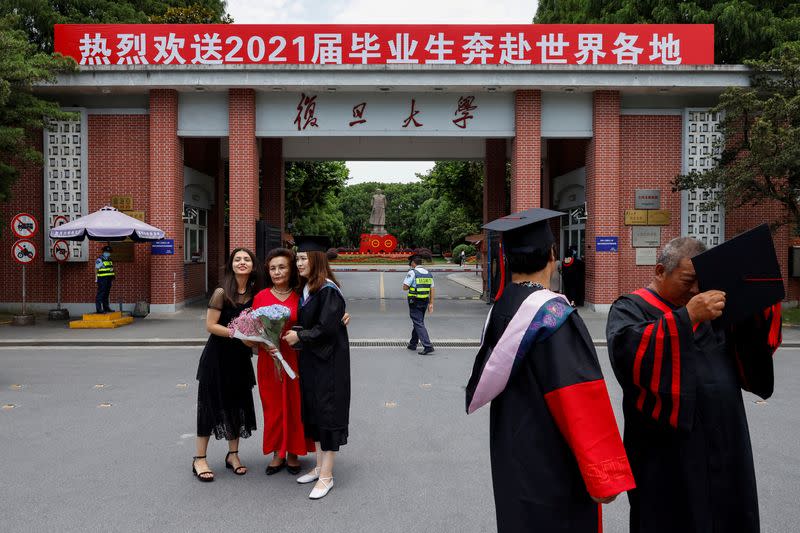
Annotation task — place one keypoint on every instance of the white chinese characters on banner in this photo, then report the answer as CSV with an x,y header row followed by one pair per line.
x,y
478,48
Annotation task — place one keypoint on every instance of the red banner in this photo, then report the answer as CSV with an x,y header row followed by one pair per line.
x,y
293,44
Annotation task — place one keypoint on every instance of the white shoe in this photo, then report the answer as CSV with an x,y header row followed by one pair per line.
x,y
327,483
311,476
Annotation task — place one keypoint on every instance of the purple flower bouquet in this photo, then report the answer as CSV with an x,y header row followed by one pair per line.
x,y
263,325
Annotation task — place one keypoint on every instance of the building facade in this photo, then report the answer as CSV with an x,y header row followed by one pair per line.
x,y
198,149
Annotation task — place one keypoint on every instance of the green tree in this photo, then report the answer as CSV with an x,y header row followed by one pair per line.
x,y
461,182
38,17
403,203
322,218
443,223
355,203
760,159
312,184
743,29
22,115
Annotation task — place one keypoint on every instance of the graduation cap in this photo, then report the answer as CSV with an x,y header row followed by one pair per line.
x,y
312,243
746,269
525,231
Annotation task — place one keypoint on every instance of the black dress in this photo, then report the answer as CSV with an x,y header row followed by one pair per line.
x,y
324,365
225,392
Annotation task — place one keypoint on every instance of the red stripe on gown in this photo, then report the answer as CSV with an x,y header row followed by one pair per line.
x,y
675,346
599,518
584,416
637,365
655,379
650,298
775,333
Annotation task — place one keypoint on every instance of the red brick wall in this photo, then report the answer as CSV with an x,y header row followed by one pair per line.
x,y
748,217
243,186
119,170
602,198
194,279
272,183
494,180
26,197
112,170
526,158
166,190
650,148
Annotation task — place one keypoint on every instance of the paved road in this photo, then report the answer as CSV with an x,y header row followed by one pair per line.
x,y
415,461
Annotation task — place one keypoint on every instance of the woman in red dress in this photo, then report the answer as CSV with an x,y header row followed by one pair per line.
x,y
280,395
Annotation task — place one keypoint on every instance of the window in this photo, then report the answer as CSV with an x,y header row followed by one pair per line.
x,y
194,234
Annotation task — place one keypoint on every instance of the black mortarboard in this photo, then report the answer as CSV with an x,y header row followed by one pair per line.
x,y
746,268
525,231
107,248
312,243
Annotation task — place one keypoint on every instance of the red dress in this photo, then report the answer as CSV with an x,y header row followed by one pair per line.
x,y
280,398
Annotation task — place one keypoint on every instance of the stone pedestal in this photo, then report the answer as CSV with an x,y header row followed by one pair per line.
x,y
379,230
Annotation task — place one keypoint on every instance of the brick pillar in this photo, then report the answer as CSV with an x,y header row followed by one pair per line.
x,y
494,180
526,156
216,229
272,182
602,199
166,198
243,197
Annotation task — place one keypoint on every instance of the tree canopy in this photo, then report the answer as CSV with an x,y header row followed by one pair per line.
x,y
743,29
22,115
760,158
38,17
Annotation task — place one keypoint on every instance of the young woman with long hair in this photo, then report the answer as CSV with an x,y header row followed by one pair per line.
x,y
324,361
225,372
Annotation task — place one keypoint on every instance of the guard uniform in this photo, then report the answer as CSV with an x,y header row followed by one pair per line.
x,y
104,272
420,284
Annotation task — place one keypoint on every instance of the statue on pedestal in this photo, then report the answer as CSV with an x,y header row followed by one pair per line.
x,y
378,215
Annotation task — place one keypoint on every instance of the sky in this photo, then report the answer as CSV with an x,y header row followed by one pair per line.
x,y
382,12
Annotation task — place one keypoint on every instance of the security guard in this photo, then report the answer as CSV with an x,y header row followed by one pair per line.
x,y
419,284
104,275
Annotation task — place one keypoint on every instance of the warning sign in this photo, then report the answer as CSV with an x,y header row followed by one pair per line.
x,y
24,251
24,225
61,250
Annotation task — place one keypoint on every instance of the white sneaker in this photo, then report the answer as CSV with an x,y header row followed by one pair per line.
x,y
327,484
311,476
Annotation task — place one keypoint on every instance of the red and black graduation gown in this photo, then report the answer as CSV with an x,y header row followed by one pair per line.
x,y
685,426
553,436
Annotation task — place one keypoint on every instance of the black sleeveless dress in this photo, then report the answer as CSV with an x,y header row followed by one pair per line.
x,y
226,379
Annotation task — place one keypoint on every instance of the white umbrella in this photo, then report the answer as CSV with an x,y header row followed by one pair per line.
x,y
107,224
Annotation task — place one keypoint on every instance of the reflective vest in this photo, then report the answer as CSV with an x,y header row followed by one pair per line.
x,y
107,270
421,286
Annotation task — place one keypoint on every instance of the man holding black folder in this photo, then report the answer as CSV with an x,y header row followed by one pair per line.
x,y
682,349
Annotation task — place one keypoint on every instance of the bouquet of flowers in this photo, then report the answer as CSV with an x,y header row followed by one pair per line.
x,y
264,325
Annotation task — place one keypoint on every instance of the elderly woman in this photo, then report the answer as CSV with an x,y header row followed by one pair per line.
x,y
324,361
280,395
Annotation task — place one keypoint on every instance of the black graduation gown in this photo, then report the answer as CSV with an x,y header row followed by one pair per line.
x,y
324,366
685,426
552,430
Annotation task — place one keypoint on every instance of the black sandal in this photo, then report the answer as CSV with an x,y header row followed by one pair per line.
x,y
202,476
239,470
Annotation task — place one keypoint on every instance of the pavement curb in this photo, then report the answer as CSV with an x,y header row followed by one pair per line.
x,y
201,341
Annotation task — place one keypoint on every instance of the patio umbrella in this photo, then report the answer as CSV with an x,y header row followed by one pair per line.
x,y
107,224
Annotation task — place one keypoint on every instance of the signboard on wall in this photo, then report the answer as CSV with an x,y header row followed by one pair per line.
x,y
646,256
648,199
646,236
606,244
163,247
635,217
122,202
386,44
